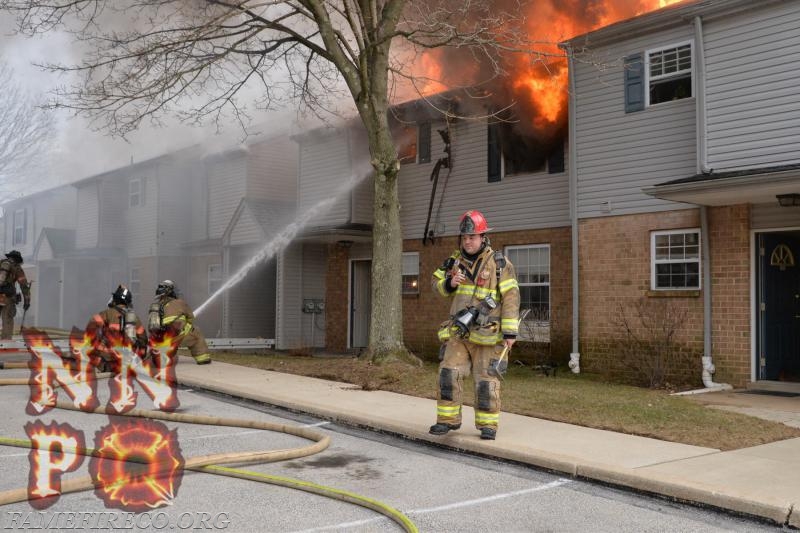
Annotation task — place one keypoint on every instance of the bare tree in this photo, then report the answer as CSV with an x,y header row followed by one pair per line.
x,y
24,133
198,58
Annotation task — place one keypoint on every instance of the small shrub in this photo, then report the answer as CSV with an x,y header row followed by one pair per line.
x,y
647,342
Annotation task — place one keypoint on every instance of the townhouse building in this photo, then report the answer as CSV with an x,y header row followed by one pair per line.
x,y
42,227
685,170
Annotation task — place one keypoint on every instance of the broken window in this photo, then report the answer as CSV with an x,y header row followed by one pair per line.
x,y
511,152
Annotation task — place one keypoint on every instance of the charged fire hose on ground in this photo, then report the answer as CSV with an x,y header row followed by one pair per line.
x,y
211,464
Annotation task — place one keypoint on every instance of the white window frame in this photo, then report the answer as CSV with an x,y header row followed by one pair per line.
x,y
544,324
137,194
404,272
654,262
135,281
20,216
213,279
648,78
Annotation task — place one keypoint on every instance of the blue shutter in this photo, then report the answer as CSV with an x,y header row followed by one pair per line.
x,y
634,83
494,153
424,141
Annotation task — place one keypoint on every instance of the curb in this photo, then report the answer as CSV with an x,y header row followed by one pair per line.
x,y
674,488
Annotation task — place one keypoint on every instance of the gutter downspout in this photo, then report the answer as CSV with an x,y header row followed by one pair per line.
x,y
574,356
702,166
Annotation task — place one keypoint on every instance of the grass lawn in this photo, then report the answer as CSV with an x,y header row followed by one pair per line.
x,y
574,399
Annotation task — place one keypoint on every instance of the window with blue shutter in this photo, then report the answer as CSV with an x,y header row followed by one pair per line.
x,y
634,83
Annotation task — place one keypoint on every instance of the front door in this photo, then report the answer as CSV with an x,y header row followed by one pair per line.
x,y
360,303
779,306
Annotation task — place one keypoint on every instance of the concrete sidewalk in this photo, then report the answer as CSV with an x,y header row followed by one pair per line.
x,y
762,481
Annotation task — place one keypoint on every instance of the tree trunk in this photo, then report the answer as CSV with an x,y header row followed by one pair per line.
x,y
386,316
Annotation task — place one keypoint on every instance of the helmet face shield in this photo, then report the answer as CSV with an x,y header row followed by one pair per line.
x,y
166,287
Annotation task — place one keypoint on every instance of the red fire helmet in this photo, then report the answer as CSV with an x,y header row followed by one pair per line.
x,y
473,222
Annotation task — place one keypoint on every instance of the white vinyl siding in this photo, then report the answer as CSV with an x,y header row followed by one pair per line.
x,y
88,216
752,70
226,188
325,168
675,259
523,201
313,274
619,153
272,170
289,297
246,230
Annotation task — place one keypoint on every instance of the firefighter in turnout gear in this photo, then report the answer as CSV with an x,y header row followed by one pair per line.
x,y
118,320
169,311
11,274
484,320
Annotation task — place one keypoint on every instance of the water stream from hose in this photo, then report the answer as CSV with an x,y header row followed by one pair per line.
x,y
284,237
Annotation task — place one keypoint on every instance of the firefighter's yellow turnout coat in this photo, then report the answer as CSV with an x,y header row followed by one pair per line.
x,y
473,343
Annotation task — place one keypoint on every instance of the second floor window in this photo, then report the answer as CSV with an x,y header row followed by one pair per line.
x,y
669,73
20,227
135,283
135,192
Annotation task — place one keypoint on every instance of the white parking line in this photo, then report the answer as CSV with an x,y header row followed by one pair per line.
x,y
468,503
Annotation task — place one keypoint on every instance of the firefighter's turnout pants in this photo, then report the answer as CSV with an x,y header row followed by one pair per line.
x,y
460,357
196,342
7,314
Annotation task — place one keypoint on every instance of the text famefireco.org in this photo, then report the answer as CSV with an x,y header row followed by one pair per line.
x,y
105,520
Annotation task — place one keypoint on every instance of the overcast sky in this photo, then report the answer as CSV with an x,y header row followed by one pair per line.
x,y
78,151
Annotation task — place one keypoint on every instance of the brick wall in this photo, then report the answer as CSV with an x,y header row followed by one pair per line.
x,y
423,312
615,274
336,297
729,242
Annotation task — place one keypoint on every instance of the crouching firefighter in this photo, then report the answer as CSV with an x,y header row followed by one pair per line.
x,y
117,321
484,314
170,312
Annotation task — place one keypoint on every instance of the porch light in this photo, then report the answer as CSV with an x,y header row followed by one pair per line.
x,y
788,200
344,244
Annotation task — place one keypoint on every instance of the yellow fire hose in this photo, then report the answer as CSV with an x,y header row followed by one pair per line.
x,y
211,463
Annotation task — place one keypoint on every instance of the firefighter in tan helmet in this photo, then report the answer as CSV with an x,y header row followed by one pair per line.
x,y
484,320
11,274
169,311
118,320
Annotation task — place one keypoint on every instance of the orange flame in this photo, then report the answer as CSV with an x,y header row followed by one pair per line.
x,y
141,466
540,78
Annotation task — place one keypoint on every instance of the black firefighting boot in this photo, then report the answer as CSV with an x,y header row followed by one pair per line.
x,y
488,433
440,428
